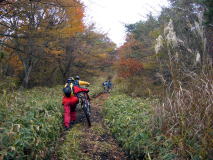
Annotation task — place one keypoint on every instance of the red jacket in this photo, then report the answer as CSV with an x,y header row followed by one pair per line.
x,y
77,89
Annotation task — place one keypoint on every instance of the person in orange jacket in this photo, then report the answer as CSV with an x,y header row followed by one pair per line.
x,y
69,101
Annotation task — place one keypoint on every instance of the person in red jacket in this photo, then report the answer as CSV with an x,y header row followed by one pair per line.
x,y
69,102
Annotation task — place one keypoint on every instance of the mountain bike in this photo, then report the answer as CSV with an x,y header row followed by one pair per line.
x,y
85,105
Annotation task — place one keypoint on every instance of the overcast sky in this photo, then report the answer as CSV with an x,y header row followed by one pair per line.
x,y
110,16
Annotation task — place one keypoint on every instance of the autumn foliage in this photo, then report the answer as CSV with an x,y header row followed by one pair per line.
x,y
129,67
47,41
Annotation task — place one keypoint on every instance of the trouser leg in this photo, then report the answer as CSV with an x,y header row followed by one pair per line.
x,y
74,102
67,116
73,113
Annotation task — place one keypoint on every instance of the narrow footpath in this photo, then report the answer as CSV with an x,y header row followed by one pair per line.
x,y
94,143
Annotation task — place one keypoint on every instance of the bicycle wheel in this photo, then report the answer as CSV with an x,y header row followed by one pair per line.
x,y
86,109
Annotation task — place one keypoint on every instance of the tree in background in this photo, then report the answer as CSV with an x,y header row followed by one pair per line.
x,y
92,51
139,52
31,29
187,39
180,28
46,42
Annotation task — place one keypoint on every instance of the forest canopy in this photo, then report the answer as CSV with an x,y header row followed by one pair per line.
x,y
44,41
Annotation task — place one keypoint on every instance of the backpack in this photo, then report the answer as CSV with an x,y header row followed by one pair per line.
x,y
109,84
105,83
68,89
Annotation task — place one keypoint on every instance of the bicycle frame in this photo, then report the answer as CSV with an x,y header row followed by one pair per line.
x,y
85,105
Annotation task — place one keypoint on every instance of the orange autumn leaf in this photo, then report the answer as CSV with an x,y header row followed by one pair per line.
x,y
16,63
129,67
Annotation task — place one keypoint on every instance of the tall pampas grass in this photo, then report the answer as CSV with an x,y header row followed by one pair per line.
x,y
187,117
187,110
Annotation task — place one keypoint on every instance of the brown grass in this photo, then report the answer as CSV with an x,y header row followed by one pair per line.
x,y
187,117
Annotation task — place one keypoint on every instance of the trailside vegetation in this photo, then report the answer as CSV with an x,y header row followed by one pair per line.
x,y
31,123
174,51
130,120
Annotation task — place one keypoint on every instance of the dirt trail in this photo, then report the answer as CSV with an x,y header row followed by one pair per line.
x,y
98,142
94,143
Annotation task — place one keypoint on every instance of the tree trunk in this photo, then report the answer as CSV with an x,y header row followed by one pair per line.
x,y
65,65
27,72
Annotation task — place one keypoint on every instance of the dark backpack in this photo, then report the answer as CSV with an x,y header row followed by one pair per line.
x,y
109,84
105,83
68,89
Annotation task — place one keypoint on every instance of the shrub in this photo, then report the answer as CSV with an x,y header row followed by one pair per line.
x,y
30,123
96,88
178,128
9,84
130,121
138,86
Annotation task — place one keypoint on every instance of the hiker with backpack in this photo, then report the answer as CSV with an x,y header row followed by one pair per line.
x,y
70,100
105,85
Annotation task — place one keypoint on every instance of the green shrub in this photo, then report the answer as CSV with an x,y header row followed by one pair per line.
x,y
9,84
96,87
30,123
180,127
95,90
138,86
130,121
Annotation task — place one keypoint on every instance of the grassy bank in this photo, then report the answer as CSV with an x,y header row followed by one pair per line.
x,y
147,128
30,123
70,149
131,122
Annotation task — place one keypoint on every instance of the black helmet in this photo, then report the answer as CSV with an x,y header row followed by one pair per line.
x,y
70,80
67,91
77,77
